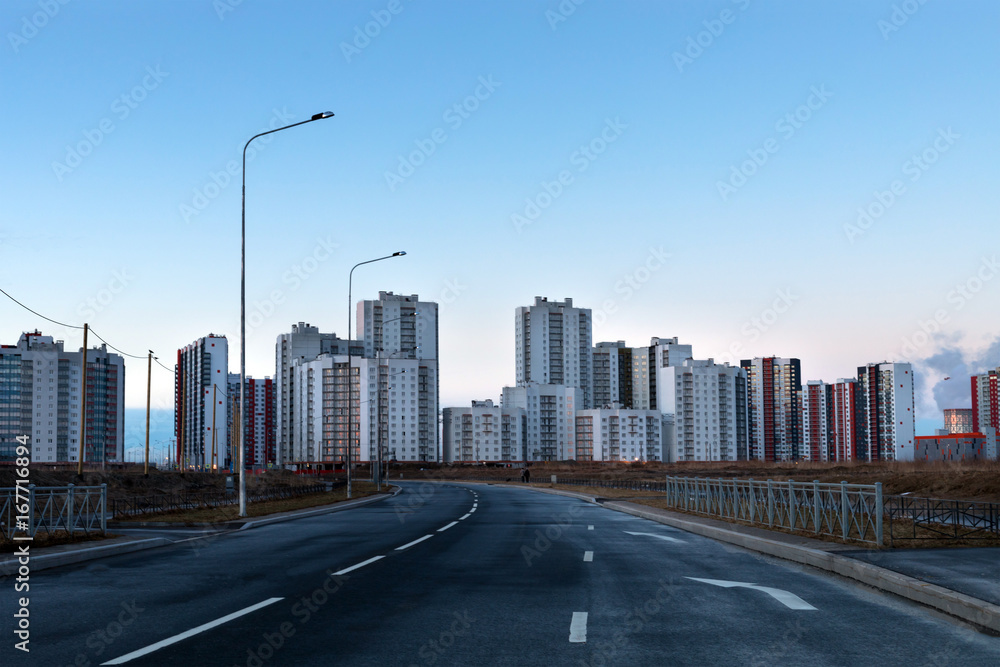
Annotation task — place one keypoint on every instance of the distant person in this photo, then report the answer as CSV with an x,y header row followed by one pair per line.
x,y
525,476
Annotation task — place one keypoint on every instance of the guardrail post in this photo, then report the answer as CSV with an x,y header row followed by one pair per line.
x,y
816,519
845,506
791,504
753,502
879,511
71,510
770,504
687,494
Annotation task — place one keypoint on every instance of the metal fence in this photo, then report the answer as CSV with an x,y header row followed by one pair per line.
x,y
845,511
934,519
169,502
29,509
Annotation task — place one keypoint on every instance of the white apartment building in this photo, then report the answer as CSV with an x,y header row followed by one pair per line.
x,y
887,422
550,419
609,385
40,392
647,365
708,404
259,426
398,326
303,344
201,379
619,434
483,432
553,344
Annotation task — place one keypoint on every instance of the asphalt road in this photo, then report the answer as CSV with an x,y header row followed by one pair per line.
x,y
451,574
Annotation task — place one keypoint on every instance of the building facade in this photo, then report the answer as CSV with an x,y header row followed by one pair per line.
x,y
775,408
550,419
958,446
40,396
959,420
201,379
553,346
886,429
259,428
986,400
817,421
483,432
615,433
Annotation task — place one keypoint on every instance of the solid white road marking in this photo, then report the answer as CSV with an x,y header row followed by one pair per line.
x,y
190,633
590,527
441,530
659,537
588,556
462,518
359,565
578,628
790,600
407,546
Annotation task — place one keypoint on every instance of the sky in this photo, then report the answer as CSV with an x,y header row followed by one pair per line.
x,y
801,179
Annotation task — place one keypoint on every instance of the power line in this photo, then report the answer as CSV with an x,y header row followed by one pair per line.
x,y
68,326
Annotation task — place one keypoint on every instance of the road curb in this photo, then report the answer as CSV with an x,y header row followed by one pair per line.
x,y
973,610
46,561
303,514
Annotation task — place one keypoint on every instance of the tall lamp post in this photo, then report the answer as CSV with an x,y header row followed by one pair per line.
x,y
243,305
350,402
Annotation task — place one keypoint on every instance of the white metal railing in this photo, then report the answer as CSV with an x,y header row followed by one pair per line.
x,y
26,510
845,511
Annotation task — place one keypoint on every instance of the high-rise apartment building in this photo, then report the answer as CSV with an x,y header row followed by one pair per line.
x,y
201,380
885,412
612,374
775,408
483,432
550,424
398,326
986,400
303,344
615,433
647,363
259,433
40,392
553,346
817,420
708,403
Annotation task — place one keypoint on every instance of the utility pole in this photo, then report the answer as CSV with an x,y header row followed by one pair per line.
x,y
149,385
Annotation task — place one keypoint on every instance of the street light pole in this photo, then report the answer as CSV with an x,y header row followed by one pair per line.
x,y
243,304
350,402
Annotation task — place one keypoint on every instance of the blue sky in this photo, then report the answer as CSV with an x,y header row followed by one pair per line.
x,y
685,169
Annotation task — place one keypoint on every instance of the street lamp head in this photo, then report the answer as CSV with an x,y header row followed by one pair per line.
x,y
399,253
320,116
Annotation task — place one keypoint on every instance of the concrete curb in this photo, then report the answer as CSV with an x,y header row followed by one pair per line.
x,y
303,514
58,559
973,610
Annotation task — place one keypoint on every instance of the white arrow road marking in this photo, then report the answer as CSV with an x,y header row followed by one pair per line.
x,y
190,633
578,628
659,537
588,556
790,600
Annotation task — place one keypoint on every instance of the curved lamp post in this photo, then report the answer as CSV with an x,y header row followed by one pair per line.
x,y
243,307
350,401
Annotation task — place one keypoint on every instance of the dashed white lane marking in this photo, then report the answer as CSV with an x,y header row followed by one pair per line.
x,y
578,628
359,565
441,530
790,600
588,556
407,546
659,537
590,527
190,633
462,518
472,510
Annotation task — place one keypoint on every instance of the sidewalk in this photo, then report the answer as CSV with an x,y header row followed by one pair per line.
x,y
68,554
964,583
